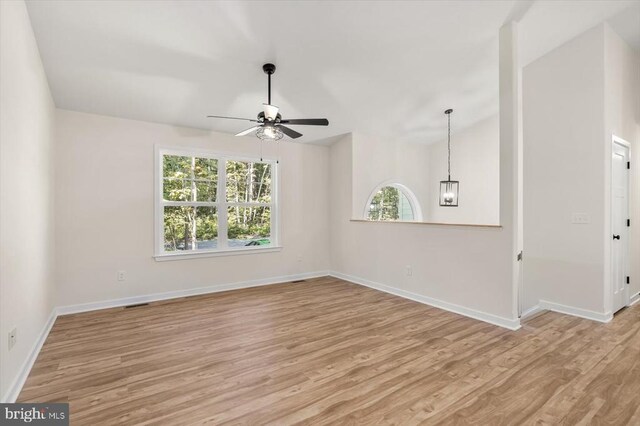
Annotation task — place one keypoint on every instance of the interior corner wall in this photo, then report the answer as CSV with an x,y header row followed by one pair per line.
x,y
341,189
468,268
26,201
622,119
463,266
105,210
475,162
563,112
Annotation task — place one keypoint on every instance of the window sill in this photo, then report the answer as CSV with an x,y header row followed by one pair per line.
x,y
406,222
215,253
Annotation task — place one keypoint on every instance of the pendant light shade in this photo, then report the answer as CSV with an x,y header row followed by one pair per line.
x,y
449,188
449,193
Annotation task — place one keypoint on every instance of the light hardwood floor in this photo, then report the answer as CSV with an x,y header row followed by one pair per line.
x,y
326,351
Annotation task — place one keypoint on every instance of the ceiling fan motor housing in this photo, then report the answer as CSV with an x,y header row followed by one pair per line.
x,y
262,119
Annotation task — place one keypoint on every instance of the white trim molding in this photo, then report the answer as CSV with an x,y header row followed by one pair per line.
x,y
634,299
531,312
576,312
195,254
25,369
511,324
18,383
220,203
154,297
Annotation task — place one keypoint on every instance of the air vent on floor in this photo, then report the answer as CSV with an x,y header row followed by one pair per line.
x,y
298,281
136,306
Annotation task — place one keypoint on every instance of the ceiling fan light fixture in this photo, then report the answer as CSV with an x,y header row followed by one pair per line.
x,y
269,133
269,123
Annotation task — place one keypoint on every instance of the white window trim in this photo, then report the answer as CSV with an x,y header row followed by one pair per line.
x,y
413,200
220,204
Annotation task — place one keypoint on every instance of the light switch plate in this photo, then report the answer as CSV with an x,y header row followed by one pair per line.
x,y
580,218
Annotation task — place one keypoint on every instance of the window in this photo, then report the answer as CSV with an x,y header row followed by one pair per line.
x,y
208,203
393,202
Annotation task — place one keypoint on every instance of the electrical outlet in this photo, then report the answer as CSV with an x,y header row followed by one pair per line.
x,y
580,218
13,338
121,275
409,270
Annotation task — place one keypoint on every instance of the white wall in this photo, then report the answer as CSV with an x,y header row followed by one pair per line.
x,y
468,268
105,202
389,161
475,162
26,179
563,109
575,98
622,118
465,266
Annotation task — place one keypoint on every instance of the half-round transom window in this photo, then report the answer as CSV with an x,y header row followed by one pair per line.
x,y
393,202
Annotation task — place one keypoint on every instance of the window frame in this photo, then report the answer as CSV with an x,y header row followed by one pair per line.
x,y
220,204
411,197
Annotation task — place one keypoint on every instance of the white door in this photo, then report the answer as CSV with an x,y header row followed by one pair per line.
x,y
619,224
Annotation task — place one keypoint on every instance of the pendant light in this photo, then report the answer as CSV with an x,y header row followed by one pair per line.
x,y
449,188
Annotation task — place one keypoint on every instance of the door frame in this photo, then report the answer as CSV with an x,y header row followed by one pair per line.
x,y
615,140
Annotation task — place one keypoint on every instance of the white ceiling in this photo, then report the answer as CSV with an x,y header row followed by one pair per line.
x,y
389,68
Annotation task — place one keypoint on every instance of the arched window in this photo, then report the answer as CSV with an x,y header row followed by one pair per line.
x,y
393,202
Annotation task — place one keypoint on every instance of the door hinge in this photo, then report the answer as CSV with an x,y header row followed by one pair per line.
x,y
628,222
628,164
627,279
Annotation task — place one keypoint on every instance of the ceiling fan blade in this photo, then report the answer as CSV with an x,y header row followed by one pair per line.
x,y
290,132
307,121
270,111
231,118
249,130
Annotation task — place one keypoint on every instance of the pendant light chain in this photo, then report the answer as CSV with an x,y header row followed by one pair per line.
x,y
449,146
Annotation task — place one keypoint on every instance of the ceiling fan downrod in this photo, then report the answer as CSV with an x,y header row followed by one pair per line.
x,y
269,69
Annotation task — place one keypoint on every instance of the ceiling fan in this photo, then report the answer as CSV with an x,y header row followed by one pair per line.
x,y
270,123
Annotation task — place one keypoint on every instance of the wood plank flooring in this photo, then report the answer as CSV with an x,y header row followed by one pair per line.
x,y
326,351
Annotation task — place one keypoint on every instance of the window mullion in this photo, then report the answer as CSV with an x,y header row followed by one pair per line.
x,y
221,195
194,198
189,203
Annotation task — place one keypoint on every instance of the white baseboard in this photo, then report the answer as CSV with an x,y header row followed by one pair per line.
x,y
634,299
577,312
511,324
25,369
154,297
531,312
16,386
